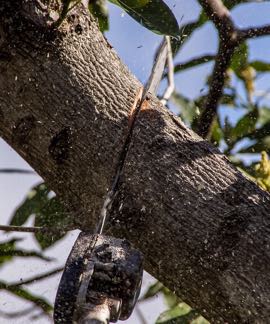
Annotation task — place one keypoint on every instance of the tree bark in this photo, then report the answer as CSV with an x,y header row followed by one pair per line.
x,y
66,104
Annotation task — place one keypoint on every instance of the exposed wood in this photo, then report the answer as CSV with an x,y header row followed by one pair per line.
x,y
65,106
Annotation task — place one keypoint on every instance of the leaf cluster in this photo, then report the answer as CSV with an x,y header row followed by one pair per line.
x,y
177,311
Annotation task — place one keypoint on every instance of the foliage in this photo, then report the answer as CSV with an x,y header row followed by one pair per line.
x,y
262,172
99,9
48,212
153,14
177,312
9,251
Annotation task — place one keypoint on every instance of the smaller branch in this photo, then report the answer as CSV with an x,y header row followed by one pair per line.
x,y
140,315
25,229
168,92
194,62
217,82
33,229
11,170
24,253
21,313
36,278
253,32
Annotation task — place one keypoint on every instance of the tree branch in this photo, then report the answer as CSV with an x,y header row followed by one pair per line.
x,y
210,105
193,62
230,37
202,226
253,32
14,170
35,229
36,278
220,15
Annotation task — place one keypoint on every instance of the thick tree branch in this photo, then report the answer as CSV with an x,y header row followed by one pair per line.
x,y
66,102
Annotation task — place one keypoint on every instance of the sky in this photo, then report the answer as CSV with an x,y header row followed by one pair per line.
x,y
136,46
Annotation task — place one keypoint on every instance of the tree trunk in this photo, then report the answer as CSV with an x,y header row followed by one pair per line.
x,y
66,106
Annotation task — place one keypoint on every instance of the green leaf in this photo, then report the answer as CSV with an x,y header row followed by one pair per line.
x,y
216,134
264,113
7,247
170,315
243,69
8,250
153,290
240,59
245,125
260,133
170,298
188,108
51,215
262,145
48,212
99,9
36,198
152,14
26,295
260,66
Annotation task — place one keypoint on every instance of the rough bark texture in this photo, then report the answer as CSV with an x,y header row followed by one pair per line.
x,y
65,104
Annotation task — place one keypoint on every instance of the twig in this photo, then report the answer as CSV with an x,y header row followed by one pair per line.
x,y
140,315
11,170
33,229
168,92
9,228
193,62
24,253
36,278
18,313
